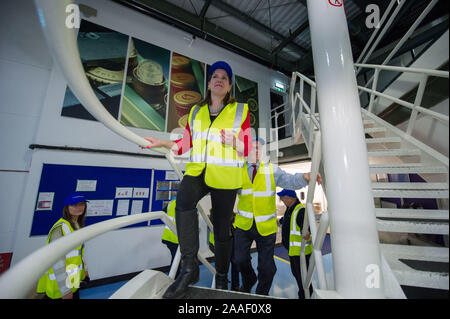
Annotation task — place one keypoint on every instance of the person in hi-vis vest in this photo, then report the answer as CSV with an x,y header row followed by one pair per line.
x,y
63,279
168,237
291,230
257,216
218,137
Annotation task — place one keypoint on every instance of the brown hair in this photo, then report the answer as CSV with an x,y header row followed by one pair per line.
x,y
68,217
228,99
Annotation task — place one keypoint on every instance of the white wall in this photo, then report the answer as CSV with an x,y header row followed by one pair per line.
x,y
430,131
32,92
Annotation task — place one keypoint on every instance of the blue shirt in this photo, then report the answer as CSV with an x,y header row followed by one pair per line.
x,y
282,179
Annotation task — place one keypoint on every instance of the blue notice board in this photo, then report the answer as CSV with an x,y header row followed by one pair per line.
x,y
112,192
165,187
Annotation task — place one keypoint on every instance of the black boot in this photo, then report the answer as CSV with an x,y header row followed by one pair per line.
x,y
249,279
187,229
221,281
222,251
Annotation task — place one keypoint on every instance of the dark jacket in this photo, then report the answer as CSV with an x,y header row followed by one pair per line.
x,y
286,223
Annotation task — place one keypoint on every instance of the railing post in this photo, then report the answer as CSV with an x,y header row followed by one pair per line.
x,y
417,102
354,236
374,88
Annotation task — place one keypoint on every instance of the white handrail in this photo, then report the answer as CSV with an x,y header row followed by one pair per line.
x,y
405,36
63,47
18,280
309,222
438,73
375,32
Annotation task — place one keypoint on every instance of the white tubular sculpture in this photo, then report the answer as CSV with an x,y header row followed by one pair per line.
x,y
19,280
354,237
62,43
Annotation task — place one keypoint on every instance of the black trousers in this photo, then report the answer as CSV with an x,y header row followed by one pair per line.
x,y
296,271
265,246
192,190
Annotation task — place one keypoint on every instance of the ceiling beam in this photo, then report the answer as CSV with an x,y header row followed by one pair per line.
x,y
290,38
189,22
203,12
254,23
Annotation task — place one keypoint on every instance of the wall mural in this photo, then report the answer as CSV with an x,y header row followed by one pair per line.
x,y
187,87
103,53
246,91
154,89
144,102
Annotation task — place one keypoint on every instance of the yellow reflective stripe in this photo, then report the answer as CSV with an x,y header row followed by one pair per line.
x,y
74,253
247,191
74,270
264,218
238,117
245,214
264,193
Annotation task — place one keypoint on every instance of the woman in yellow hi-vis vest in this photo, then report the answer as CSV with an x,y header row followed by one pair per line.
x,y
217,135
63,279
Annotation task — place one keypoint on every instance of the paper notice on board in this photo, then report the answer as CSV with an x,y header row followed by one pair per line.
x,y
45,201
122,207
171,176
102,207
86,185
124,192
140,192
136,206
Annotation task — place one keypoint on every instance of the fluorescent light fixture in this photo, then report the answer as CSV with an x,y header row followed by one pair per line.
x,y
279,85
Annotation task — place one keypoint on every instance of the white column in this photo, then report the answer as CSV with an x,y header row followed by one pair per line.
x,y
354,237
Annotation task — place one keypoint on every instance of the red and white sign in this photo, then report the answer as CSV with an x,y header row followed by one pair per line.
x,y
336,3
5,261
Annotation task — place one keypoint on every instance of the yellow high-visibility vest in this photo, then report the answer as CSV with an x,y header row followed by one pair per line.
x,y
295,235
257,201
74,267
167,233
222,165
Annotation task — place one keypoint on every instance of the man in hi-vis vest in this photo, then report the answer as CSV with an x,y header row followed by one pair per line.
x,y
291,230
257,216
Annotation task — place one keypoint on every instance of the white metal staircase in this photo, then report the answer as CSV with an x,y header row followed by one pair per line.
x,y
395,154
393,151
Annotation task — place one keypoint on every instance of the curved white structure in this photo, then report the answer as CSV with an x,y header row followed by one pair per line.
x,y
17,281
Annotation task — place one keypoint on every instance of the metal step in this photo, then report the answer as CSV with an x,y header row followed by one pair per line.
x,y
409,168
394,193
394,152
375,129
425,253
367,122
411,277
410,190
412,213
383,140
410,186
418,227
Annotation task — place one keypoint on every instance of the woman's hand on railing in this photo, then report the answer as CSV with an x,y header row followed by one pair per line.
x,y
156,142
307,177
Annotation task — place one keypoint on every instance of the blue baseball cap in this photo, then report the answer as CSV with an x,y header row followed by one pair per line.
x,y
74,199
287,192
221,65
259,139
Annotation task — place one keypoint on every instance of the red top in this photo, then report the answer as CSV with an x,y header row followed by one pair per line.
x,y
185,143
